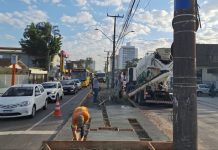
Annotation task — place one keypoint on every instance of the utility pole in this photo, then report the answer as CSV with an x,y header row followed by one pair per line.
x,y
184,75
114,46
107,63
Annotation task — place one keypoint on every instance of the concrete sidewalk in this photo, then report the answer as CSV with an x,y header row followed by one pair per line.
x,y
127,123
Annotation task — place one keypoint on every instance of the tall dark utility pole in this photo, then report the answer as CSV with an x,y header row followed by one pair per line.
x,y
184,74
114,46
107,63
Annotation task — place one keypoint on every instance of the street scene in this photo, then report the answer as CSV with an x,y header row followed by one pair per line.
x,y
108,75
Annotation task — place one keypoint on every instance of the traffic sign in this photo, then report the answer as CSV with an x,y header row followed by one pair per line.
x,y
13,59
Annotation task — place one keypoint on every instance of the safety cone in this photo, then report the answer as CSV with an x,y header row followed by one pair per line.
x,y
57,112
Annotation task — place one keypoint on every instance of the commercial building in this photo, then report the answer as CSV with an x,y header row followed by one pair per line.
x,y
126,53
207,63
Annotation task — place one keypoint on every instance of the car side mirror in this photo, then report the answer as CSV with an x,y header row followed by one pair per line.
x,y
59,87
37,93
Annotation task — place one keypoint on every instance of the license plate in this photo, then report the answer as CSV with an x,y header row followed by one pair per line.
x,y
7,110
65,90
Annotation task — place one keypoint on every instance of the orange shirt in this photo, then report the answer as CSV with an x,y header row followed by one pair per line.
x,y
80,111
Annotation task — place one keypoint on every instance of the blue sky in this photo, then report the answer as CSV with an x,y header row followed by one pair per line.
x,y
77,20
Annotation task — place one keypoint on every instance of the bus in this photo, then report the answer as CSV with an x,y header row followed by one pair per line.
x,y
83,75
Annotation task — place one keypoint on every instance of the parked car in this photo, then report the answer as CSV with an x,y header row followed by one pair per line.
x,y
54,90
78,83
203,89
22,100
69,86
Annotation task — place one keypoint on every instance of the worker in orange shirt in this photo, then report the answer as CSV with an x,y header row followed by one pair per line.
x,y
80,117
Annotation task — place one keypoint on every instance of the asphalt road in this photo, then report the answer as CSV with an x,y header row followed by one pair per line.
x,y
207,120
28,133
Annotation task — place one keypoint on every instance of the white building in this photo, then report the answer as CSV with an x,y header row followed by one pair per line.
x,y
127,53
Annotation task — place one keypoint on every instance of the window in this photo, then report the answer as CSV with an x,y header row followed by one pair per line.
x,y
59,85
37,90
41,88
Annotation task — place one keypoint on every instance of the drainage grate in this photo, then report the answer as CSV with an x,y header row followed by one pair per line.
x,y
105,117
141,133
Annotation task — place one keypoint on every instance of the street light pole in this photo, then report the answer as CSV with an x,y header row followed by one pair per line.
x,y
107,63
114,47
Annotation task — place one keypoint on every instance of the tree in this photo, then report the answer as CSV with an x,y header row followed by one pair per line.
x,y
131,63
86,63
41,41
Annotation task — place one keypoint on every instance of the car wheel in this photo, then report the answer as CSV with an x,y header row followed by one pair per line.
x,y
46,105
33,112
199,93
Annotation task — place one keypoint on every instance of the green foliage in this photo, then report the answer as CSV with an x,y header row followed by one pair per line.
x,y
88,61
38,41
132,63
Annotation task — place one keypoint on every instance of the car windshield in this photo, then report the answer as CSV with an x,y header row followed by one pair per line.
x,y
67,82
76,80
101,75
49,85
18,91
204,86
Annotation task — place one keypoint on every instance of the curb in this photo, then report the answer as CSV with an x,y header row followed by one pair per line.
x,y
84,98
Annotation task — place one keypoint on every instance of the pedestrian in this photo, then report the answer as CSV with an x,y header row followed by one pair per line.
x,y
212,90
95,89
80,117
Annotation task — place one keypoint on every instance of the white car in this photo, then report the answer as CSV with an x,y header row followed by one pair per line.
x,y
22,100
54,90
78,83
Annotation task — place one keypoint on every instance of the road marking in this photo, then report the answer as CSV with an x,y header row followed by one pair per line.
x,y
36,124
27,132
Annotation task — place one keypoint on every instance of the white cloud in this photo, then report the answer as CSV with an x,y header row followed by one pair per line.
x,y
155,19
81,2
140,29
55,2
26,1
83,17
29,2
8,37
109,2
88,44
22,18
209,20
146,46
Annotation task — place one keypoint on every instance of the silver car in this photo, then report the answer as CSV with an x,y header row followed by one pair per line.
x,y
203,89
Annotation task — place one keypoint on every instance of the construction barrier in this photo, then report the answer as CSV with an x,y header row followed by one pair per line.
x,y
106,145
57,112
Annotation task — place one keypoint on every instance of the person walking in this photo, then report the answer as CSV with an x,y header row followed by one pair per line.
x,y
95,88
80,117
212,90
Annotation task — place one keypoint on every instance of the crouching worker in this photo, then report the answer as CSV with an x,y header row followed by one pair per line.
x,y
80,117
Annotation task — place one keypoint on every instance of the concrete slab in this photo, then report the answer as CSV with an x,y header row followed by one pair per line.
x,y
112,136
65,134
118,116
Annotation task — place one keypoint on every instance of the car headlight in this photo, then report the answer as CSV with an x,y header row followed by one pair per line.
x,y
53,92
24,103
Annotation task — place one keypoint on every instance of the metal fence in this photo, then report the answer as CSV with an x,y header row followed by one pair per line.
x,y
5,80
